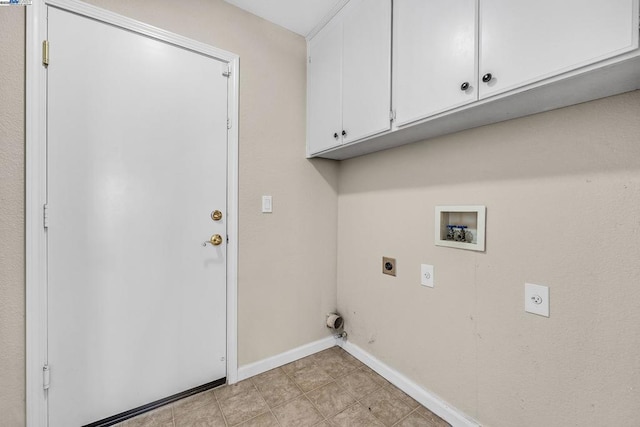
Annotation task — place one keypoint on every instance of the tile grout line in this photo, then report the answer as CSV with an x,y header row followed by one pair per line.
x,y
307,397
288,400
359,401
224,418
378,388
262,413
273,415
406,416
305,394
356,400
388,385
265,402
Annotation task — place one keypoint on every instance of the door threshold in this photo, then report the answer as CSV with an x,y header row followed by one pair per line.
x,y
115,419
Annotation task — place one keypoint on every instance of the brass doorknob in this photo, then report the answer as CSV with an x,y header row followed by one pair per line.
x,y
216,239
216,215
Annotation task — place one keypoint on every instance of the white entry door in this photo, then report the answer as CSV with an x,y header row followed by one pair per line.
x,y
137,158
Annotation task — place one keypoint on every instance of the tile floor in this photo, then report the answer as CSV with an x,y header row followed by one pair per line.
x,y
330,388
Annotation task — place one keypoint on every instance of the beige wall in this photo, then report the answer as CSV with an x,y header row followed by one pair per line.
x,y
287,270
12,326
562,191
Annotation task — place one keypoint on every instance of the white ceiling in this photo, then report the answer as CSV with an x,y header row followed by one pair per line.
x,y
299,16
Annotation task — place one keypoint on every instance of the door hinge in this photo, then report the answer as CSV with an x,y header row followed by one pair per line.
x,y
228,72
45,215
309,60
46,377
228,123
392,115
45,53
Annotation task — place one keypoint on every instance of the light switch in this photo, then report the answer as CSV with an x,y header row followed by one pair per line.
x,y
536,299
267,204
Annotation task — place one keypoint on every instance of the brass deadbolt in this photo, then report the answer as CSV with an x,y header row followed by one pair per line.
x,y
216,215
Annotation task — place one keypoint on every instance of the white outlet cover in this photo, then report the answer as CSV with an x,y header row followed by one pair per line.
x,y
426,275
536,299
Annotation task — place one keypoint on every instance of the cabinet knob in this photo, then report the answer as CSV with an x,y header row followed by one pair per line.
x,y
487,78
335,135
464,86
344,133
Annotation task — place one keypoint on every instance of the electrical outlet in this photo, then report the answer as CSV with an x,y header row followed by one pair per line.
x,y
389,266
536,299
426,275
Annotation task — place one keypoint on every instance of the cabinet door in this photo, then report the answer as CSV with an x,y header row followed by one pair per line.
x,y
366,69
434,57
525,41
324,89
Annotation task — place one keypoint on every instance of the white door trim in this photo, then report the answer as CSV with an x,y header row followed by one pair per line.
x,y
36,185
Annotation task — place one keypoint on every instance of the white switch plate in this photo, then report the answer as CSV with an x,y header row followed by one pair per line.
x,y
267,204
536,299
426,275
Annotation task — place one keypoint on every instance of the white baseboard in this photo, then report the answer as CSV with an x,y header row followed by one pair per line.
x,y
426,398
264,365
436,405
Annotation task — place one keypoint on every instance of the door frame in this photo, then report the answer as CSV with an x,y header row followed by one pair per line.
x,y
36,188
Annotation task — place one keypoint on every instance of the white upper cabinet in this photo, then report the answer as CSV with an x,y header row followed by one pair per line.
x,y
459,64
349,76
366,72
434,54
522,42
324,89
